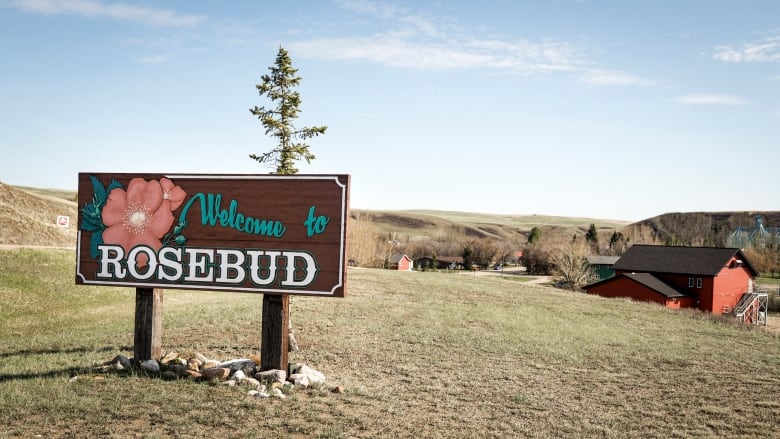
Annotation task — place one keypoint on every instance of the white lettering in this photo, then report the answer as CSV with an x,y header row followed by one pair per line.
x,y
170,264
263,268
309,268
255,269
201,268
111,261
151,265
226,267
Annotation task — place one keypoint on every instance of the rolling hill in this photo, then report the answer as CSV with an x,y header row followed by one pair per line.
x,y
28,217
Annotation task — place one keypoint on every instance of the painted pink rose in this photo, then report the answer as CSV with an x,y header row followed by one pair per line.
x,y
174,194
139,216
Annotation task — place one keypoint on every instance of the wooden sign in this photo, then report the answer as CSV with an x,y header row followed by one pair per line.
x,y
268,234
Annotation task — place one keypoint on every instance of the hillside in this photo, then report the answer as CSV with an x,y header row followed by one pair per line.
x,y
416,224
29,217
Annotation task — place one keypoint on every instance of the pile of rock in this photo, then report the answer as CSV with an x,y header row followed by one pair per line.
x,y
243,371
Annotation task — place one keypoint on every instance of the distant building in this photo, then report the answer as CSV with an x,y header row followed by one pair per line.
x,y
601,266
400,262
440,262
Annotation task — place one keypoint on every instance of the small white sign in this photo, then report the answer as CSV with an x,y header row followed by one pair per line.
x,y
63,221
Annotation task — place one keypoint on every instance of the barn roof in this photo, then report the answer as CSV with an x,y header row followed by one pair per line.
x,y
602,260
707,261
647,280
655,284
396,257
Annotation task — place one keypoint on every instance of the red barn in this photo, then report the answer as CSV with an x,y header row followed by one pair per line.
x,y
708,278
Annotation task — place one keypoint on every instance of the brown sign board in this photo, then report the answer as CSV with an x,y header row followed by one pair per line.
x,y
269,234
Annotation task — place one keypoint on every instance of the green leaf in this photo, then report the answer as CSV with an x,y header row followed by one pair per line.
x,y
98,189
114,185
94,242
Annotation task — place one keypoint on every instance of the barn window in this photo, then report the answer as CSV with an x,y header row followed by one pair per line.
x,y
698,282
690,282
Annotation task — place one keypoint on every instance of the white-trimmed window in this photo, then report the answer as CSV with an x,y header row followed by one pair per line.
x,y
690,282
698,282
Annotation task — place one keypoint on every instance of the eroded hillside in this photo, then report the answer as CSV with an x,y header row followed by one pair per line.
x,y
30,218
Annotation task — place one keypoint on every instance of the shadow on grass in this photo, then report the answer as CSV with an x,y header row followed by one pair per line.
x,y
65,372
79,350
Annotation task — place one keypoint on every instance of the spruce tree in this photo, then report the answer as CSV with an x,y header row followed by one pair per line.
x,y
279,87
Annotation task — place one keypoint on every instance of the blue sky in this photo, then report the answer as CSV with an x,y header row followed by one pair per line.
x,y
600,109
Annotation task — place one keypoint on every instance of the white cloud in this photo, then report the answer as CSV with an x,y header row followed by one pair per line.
x,y
417,41
156,59
414,41
711,99
766,50
612,77
115,11
402,52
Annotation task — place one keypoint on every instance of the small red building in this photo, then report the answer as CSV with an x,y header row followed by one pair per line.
x,y
708,278
401,262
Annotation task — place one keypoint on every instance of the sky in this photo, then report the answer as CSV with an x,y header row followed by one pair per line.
x,y
605,109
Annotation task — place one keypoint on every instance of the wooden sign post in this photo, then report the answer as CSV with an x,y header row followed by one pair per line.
x,y
147,338
277,235
275,332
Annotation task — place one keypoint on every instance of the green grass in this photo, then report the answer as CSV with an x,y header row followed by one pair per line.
x,y
419,355
768,281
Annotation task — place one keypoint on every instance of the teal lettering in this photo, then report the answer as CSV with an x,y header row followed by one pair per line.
x,y
213,213
315,224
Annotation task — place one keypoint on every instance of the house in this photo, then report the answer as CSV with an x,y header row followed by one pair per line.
x,y
440,262
400,262
708,278
601,266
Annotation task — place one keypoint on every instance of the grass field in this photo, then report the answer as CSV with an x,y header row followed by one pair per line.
x,y
421,355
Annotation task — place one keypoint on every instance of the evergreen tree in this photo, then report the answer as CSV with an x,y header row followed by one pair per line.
x,y
467,257
592,236
535,235
279,87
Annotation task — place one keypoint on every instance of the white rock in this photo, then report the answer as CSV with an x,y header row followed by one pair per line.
x,y
278,393
230,383
315,376
239,376
252,393
251,382
300,379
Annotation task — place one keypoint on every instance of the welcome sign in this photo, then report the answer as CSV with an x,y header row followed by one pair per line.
x,y
269,234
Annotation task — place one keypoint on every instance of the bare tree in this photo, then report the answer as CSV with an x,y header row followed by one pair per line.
x,y
361,235
571,264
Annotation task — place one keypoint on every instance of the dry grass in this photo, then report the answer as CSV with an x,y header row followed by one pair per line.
x,y
419,354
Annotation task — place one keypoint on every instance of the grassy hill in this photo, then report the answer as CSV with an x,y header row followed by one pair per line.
x,y
28,215
415,224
